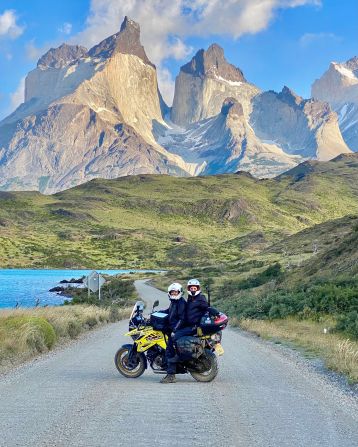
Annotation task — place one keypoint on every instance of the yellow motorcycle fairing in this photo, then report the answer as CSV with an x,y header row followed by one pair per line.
x,y
147,338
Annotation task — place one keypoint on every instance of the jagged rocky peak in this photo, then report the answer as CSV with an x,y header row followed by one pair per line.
x,y
304,127
290,97
352,64
204,83
212,63
127,41
232,106
62,56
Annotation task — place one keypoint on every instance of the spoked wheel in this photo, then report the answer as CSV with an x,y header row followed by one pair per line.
x,y
133,370
211,367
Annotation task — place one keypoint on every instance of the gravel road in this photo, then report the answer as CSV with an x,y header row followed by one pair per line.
x,y
261,397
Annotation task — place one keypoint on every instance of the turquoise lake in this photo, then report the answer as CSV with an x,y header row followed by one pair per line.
x,y
25,286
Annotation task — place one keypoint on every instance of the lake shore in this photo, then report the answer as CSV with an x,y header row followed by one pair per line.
x,y
31,287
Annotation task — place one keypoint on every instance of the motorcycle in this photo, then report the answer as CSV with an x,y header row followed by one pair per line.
x,y
149,344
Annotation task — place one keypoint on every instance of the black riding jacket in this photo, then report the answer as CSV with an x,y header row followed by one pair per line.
x,y
196,307
176,314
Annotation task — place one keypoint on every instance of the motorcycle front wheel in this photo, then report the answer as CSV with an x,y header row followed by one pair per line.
x,y
211,370
121,362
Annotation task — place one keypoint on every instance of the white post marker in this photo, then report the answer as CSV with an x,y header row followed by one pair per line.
x,y
101,281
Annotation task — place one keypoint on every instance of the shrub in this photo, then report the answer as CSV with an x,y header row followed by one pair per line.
x,y
91,321
74,328
349,323
113,314
272,272
37,331
338,298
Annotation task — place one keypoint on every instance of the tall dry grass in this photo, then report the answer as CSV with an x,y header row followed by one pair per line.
x,y
24,333
339,353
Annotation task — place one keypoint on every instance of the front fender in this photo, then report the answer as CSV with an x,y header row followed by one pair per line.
x,y
130,347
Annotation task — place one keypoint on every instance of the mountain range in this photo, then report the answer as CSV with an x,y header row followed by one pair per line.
x,y
99,113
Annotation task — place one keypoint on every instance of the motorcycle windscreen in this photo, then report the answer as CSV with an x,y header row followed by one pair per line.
x,y
139,305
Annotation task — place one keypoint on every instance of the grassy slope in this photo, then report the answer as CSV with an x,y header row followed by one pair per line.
x,y
133,221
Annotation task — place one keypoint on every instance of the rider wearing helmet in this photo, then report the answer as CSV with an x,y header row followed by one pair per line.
x,y
176,320
197,304
196,307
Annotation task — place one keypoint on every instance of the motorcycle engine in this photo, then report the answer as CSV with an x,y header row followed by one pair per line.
x,y
156,357
157,363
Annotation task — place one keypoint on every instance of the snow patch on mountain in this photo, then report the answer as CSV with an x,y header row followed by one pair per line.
x,y
344,71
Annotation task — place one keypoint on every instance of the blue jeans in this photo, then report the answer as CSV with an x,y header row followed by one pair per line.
x,y
189,330
170,355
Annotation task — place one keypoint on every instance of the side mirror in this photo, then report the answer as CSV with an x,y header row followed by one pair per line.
x,y
156,303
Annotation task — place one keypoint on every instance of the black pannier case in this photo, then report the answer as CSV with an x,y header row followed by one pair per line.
x,y
189,347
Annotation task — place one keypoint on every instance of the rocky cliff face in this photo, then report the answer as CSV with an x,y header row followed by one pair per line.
x,y
339,84
307,128
68,144
204,83
87,114
339,87
226,143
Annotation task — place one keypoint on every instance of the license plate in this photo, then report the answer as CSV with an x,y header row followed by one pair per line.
x,y
219,349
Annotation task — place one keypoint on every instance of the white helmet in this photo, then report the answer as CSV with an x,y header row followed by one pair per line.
x,y
175,291
193,287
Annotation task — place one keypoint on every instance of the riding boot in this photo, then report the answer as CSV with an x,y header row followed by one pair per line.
x,y
169,378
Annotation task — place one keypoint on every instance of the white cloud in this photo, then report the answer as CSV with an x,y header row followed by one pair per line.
x,y
311,38
18,96
8,26
166,24
166,84
66,28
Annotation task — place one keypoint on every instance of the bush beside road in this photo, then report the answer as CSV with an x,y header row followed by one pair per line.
x,y
26,333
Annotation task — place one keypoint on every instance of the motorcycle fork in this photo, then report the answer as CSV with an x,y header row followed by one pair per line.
x,y
132,357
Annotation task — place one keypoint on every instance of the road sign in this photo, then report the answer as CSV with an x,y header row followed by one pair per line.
x,y
94,281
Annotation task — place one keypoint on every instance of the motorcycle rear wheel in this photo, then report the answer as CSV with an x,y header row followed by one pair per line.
x,y
211,373
120,360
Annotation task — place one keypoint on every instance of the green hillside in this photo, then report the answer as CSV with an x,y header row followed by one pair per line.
x,y
156,221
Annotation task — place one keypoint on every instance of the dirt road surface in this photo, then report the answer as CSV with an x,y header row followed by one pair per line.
x,y
261,397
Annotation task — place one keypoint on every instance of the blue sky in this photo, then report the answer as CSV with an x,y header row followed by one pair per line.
x,y
274,42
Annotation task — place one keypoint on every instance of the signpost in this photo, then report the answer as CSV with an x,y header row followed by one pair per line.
x,y
94,281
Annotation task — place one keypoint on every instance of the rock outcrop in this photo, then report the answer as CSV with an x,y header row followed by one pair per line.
x,y
307,128
204,83
339,84
226,143
62,56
